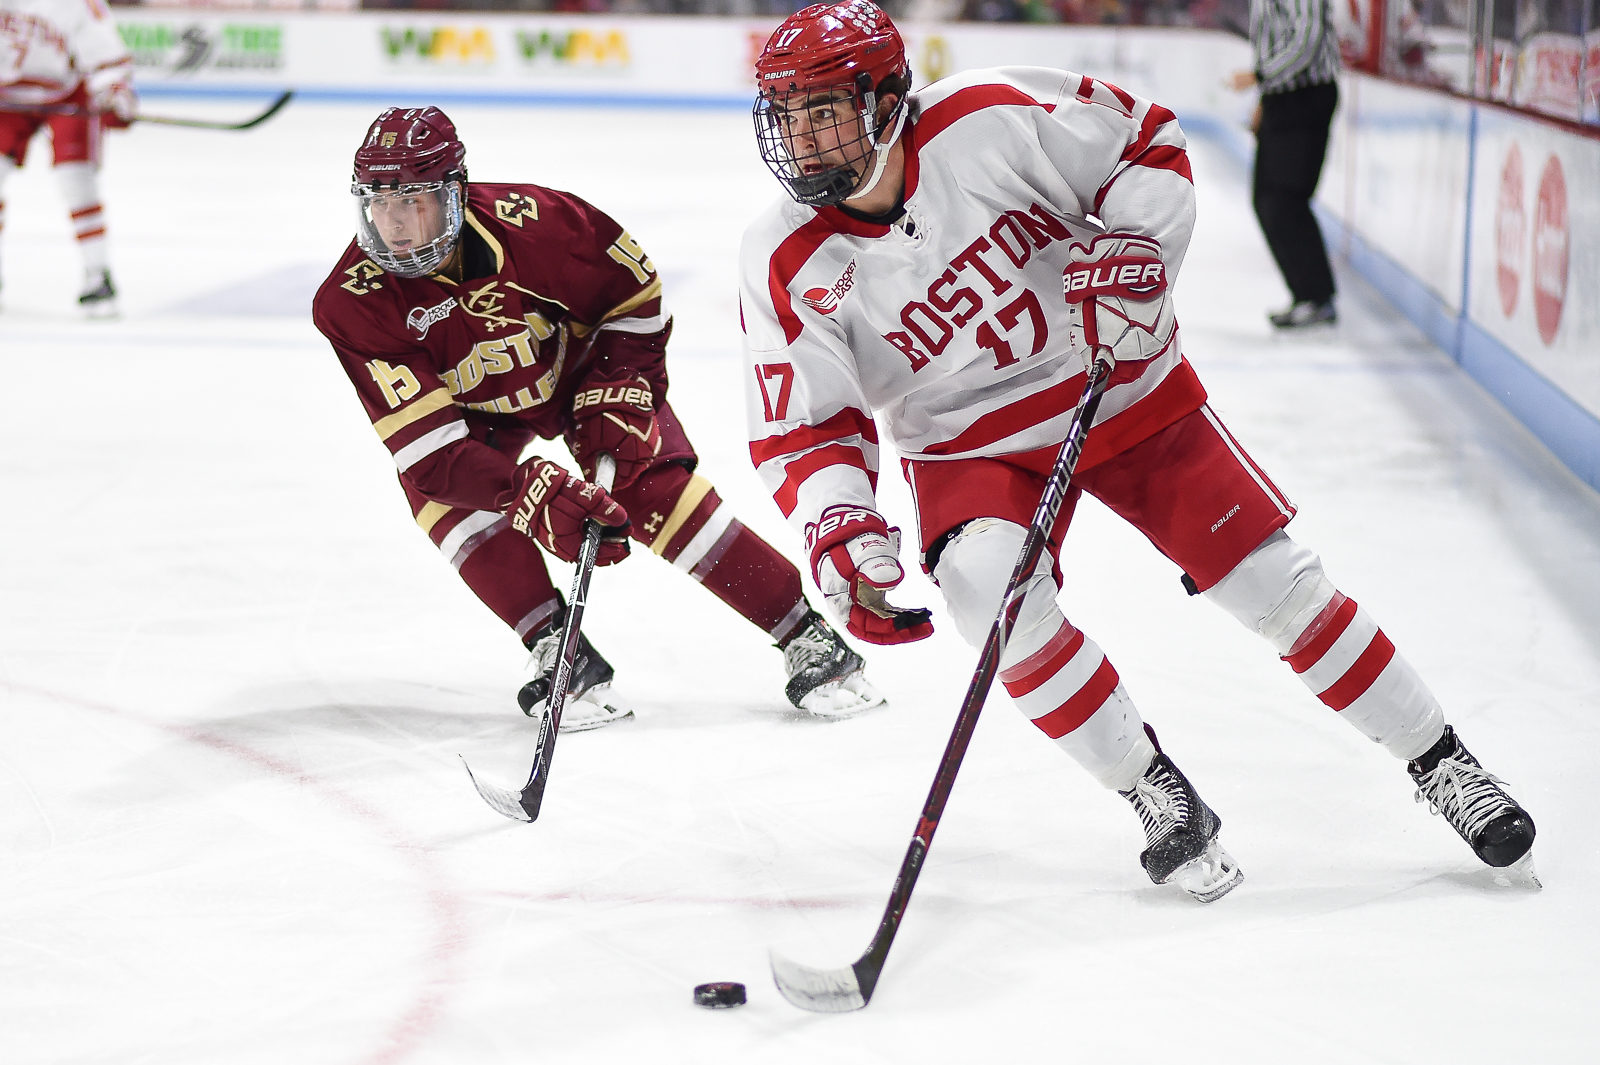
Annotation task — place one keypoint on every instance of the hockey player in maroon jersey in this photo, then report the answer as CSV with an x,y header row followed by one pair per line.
x,y
477,319
950,259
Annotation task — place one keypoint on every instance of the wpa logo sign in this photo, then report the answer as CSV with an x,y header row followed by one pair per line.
x,y
574,47
443,44
825,300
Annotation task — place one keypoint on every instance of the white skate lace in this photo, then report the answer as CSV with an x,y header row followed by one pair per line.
x,y
1160,810
542,660
803,650
1466,794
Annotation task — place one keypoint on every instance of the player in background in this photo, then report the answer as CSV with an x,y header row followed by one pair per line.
x,y
64,67
474,319
917,270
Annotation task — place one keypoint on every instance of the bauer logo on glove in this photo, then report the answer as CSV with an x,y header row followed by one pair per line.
x,y
624,395
1119,276
615,416
841,523
1116,293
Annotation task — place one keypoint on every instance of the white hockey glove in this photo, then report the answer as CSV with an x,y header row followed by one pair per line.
x,y
855,560
1116,291
116,103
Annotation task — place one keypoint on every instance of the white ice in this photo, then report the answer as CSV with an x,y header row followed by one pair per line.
x,y
235,680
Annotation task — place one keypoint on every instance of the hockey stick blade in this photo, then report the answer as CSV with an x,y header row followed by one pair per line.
x,y
501,800
819,990
200,123
520,805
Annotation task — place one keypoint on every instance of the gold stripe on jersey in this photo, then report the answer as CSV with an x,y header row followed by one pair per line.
x,y
649,292
430,515
436,400
488,238
696,490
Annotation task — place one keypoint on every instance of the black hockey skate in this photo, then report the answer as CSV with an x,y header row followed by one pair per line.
x,y
1452,782
99,298
1180,833
584,708
1303,314
825,675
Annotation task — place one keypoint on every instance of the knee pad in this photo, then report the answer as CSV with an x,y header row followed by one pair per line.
x,y
79,184
972,572
1277,590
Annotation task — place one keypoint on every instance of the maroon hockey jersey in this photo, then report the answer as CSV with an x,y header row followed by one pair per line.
x,y
458,378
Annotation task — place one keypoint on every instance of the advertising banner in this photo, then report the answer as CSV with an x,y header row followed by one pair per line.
x,y
647,60
1536,249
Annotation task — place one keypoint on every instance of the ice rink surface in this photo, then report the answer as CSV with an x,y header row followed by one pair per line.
x,y
235,680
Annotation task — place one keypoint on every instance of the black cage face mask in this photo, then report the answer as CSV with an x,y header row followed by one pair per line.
x,y
817,142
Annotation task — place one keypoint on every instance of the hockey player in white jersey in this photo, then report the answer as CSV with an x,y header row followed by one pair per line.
x,y
64,67
916,270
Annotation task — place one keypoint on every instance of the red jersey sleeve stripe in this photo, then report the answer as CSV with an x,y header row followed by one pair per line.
x,y
964,102
797,472
786,262
1154,121
847,423
1143,152
1087,87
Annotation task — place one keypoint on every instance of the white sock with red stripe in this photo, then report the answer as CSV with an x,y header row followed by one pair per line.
x,y
1070,691
80,187
1338,651
1347,661
1057,676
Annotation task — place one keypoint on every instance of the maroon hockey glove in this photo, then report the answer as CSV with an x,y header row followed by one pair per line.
x,y
854,558
617,416
1116,292
550,505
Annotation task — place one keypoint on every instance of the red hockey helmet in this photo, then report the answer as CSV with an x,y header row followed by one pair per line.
x,y
409,183
840,51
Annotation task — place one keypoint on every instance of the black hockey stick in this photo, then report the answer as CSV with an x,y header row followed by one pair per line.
x,y
162,120
524,805
850,988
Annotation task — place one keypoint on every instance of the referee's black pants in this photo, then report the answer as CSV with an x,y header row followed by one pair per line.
x,y
1290,147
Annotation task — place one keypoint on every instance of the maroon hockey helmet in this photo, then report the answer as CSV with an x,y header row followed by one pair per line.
x,y
410,146
843,51
409,182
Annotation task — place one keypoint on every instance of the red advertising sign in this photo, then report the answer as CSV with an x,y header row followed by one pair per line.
x,y
1550,241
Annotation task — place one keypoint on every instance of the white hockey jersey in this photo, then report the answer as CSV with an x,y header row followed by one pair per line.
x,y
50,47
951,323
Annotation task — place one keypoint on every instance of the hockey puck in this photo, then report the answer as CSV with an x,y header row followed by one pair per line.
x,y
719,996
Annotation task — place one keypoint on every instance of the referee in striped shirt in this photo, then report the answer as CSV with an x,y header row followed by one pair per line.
x,y
1297,71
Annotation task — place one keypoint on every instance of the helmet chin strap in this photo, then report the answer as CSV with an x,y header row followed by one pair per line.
x,y
880,152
